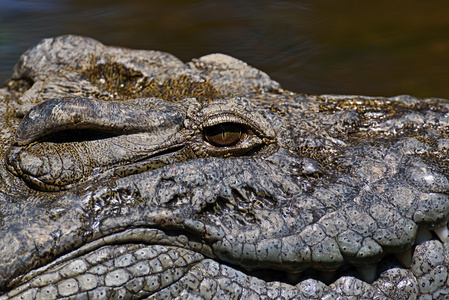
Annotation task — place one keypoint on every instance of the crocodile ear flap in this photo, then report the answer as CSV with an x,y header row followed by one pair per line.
x,y
64,141
93,115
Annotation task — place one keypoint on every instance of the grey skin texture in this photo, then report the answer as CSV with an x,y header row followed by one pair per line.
x,y
128,174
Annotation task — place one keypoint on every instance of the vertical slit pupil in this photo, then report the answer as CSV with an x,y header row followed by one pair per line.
x,y
224,134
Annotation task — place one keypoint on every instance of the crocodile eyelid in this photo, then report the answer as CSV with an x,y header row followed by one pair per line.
x,y
227,117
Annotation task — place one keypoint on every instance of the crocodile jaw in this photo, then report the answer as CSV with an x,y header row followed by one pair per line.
x,y
409,194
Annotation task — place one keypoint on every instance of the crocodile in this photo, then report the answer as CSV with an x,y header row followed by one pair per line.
x,y
129,174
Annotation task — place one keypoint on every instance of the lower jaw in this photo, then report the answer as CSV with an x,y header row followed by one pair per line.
x,y
136,264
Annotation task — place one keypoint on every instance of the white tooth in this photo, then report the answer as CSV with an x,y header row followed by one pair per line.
x,y
368,273
443,233
293,277
422,235
405,258
328,276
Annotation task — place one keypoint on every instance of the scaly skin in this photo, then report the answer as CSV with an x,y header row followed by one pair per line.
x,y
129,174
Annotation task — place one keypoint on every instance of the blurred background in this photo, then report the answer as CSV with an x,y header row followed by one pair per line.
x,y
377,48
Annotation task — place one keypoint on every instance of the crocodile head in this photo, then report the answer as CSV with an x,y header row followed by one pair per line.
x,y
128,174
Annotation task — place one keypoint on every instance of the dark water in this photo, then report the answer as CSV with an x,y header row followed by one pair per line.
x,y
347,47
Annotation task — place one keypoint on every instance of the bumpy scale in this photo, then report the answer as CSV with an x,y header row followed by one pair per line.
x,y
129,174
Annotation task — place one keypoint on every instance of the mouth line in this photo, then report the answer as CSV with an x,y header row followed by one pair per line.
x,y
153,237
366,273
147,236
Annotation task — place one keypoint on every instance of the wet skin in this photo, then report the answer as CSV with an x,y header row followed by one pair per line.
x,y
131,174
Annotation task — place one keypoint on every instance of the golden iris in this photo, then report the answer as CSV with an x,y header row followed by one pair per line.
x,y
224,134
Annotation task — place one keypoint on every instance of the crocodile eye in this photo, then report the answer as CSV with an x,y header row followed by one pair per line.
x,y
226,129
224,134
230,138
